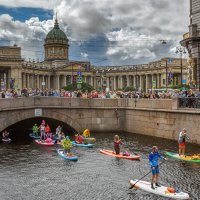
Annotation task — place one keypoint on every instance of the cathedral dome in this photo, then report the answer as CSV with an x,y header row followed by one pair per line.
x,y
56,33
56,44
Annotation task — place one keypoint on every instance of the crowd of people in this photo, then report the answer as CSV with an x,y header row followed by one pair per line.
x,y
151,94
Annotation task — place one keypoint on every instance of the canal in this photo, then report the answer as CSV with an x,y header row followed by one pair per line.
x,y
29,171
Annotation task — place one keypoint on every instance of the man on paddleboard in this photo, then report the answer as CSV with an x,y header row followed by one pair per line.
x,y
182,141
153,160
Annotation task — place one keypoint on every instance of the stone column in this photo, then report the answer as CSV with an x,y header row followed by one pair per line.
x,y
152,79
108,82
64,80
141,86
120,81
91,81
147,82
134,82
128,80
114,83
38,81
157,80
95,82
57,82
48,82
27,81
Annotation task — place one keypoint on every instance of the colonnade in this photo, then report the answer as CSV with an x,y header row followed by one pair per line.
x,y
52,81
142,82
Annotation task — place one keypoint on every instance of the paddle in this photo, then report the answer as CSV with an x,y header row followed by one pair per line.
x,y
144,176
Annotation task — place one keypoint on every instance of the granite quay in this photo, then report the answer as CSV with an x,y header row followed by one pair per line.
x,y
156,117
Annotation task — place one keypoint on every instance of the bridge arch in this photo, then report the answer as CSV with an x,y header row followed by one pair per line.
x,y
13,117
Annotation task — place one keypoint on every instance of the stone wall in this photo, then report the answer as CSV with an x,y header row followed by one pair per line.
x,y
160,118
163,124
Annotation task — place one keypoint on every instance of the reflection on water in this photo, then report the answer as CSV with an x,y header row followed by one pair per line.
x,y
30,171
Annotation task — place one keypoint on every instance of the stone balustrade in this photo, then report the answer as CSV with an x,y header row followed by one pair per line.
x,y
15,103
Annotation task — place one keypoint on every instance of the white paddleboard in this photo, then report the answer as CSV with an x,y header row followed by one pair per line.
x,y
162,191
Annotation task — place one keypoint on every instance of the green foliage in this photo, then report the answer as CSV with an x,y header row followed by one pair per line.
x,y
181,87
84,87
127,89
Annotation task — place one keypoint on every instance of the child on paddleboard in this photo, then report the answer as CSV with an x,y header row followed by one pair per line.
x,y
117,143
182,141
67,145
153,160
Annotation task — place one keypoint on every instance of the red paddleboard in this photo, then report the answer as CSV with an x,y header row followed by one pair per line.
x,y
111,153
45,143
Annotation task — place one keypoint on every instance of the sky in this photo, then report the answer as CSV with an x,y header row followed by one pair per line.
x,y
104,32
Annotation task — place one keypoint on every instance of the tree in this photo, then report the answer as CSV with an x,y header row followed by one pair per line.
x,y
84,87
128,88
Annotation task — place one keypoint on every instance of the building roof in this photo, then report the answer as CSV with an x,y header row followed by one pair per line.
x,y
56,33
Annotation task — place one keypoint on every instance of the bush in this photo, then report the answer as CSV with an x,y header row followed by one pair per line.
x,y
127,89
84,87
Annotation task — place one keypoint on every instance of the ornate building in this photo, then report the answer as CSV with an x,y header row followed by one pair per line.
x,y
57,71
191,41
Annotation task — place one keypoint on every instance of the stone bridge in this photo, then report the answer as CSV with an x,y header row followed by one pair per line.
x,y
160,118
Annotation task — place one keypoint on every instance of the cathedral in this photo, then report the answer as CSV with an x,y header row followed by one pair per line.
x,y
57,70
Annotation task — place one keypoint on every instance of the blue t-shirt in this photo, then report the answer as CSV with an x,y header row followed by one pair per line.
x,y
153,158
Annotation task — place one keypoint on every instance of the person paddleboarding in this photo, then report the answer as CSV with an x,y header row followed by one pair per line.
x,y
153,160
182,141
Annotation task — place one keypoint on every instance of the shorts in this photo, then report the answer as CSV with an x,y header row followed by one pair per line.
x,y
155,170
182,144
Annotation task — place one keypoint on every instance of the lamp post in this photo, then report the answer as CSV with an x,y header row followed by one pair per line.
x,y
181,51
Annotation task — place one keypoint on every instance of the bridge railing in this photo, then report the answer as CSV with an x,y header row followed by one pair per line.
x,y
189,102
166,104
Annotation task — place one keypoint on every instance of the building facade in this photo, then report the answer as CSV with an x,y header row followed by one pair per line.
x,y
57,71
191,41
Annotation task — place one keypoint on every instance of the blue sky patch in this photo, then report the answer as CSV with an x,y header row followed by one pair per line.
x,y
23,14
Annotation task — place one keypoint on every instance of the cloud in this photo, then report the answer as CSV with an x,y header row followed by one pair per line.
x,y
84,55
132,28
28,35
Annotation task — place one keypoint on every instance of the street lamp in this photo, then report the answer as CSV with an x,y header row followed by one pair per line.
x,y
181,51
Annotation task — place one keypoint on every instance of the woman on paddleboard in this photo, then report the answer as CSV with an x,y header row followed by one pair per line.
x,y
117,143
182,141
153,160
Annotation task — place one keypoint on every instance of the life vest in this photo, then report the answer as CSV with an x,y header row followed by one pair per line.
x,y
171,190
66,144
86,133
47,129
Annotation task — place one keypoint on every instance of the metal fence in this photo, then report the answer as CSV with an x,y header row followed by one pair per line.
x,y
189,102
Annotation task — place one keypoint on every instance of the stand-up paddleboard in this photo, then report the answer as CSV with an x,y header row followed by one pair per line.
x,y
161,191
62,155
6,140
45,143
90,140
82,145
111,153
193,159
34,136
